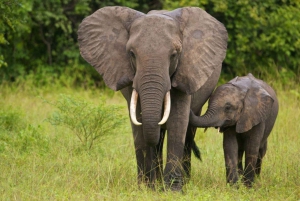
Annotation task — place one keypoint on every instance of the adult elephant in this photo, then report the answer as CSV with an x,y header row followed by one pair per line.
x,y
161,61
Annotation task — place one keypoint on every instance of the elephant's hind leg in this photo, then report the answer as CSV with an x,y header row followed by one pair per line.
x,y
188,147
252,148
241,152
262,152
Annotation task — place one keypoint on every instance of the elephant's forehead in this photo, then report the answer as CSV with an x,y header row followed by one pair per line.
x,y
157,20
154,33
159,26
228,93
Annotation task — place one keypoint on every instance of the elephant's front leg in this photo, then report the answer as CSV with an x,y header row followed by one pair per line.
x,y
230,146
158,162
177,126
144,156
149,159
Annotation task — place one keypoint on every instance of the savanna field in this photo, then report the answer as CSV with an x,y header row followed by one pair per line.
x,y
65,136
43,157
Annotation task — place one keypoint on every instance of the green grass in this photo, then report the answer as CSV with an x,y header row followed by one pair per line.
x,y
43,162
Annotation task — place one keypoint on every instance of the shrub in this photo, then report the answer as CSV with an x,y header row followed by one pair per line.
x,y
87,121
11,120
17,135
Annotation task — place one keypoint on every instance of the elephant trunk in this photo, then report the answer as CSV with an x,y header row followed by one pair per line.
x,y
152,84
151,105
209,119
152,90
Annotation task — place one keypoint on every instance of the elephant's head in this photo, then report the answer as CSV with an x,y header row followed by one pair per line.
x,y
242,102
152,53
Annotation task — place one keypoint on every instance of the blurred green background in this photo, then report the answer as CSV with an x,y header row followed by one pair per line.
x,y
39,38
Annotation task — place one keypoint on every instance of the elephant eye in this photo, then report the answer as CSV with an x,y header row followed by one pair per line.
x,y
132,60
173,56
227,107
132,55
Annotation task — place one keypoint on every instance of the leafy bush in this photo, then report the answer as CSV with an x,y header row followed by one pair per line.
x,y
36,33
264,36
11,120
88,122
17,135
8,18
38,36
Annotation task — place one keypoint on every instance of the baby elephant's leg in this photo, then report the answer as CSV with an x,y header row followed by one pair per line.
x,y
230,146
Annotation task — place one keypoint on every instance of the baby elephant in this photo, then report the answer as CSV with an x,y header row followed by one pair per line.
x,y
245,110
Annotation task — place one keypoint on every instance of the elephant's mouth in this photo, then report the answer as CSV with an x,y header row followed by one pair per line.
x,y
225,126
221,129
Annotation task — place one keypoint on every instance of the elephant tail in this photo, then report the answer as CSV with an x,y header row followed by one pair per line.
x,y
196,151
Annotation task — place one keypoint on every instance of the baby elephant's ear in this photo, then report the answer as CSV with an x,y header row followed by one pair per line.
x,y
257,107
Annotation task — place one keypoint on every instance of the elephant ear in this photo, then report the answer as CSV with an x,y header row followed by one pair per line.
x,y
102,39
257,107
204,45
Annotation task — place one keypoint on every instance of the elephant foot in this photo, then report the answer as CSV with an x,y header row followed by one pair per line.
x,y
173,183
248,182
232,176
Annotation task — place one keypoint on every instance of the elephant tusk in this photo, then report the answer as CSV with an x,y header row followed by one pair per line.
x,y
167,108
133,103
218,130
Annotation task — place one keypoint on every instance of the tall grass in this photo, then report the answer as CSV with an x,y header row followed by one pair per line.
x,y
40,161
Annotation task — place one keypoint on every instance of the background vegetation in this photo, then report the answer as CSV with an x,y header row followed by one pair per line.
x,y
39,37
42,154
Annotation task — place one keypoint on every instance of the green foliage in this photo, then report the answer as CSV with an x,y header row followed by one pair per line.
x,y
70,76
8,20
37,34
262,34
88,122
16,135
11,120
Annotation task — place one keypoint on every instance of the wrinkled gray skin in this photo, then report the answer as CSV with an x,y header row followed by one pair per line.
x,y
180,51
245,110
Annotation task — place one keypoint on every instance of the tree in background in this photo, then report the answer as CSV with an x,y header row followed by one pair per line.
x,y
40,37
8,19
264,36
